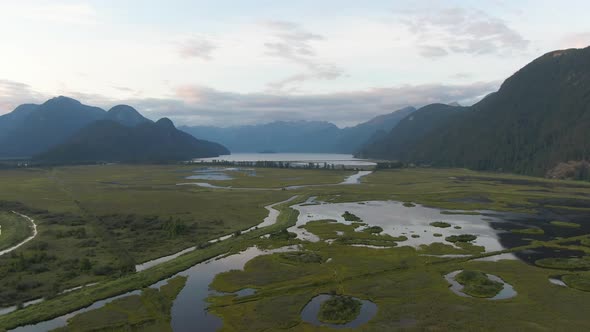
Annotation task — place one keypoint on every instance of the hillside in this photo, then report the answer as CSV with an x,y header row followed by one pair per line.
x,y
110,141
409,132
539,117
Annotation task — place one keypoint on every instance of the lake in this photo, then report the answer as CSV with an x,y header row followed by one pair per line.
x,y
301,158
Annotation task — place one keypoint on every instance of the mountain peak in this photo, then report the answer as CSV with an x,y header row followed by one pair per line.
x,y
122,108
165,123
126,115
62,100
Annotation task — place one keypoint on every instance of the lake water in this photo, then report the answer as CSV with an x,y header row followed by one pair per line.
x,y
297,159
397,220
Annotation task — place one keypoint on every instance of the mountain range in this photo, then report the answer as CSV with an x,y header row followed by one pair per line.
x,y
536,123
300,136
64,130
538,119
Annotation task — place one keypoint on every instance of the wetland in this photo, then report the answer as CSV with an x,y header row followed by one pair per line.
x,y
291,246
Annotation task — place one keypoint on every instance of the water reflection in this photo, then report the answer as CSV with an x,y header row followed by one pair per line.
x,y
397,220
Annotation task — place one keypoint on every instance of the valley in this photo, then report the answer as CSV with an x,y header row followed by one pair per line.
x,y
296,166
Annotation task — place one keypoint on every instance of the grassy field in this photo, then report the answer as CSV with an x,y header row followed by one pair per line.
x,y
116,216
13,229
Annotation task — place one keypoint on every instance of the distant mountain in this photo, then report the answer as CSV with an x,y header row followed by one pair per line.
x,y
400,141
351,139
34,129
15,118
539,118
298,136
64,130
110,141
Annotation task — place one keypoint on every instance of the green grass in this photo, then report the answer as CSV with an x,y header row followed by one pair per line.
x,y
13,229
565,263
303,257
564,224
477,284
579,281
339,309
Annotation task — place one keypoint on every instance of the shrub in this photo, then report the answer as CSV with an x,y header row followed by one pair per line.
x,y
440,224
339,309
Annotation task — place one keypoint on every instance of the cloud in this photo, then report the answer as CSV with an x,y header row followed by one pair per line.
x,y
432,51
197,105
197,48
65,13
460,30
462,76
294,44
576,40
14,93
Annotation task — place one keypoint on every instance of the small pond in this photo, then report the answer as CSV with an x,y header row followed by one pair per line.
x,y
311,310
218,173
506,292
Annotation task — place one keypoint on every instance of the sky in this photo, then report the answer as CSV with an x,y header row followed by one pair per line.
x,y
235,62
